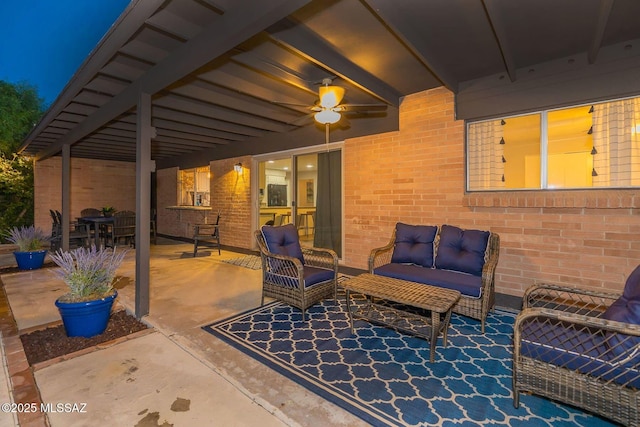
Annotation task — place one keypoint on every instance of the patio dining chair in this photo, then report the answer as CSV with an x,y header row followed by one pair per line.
x,y
123,227
207,235
295,275
77,232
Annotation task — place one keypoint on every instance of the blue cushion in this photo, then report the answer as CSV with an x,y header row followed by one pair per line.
x,y
315,275
466,284
462,250
414,244
625,309
283,240
576,349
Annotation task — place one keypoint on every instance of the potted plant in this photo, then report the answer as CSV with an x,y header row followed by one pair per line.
x,y
90,275
108,211
32,242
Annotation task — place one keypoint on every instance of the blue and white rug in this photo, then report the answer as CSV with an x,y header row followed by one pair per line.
x,y
385,377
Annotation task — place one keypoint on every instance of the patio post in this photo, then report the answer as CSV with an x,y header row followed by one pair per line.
x,y
66,189
143,202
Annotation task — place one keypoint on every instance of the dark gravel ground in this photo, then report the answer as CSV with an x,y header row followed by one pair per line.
x,y
52,342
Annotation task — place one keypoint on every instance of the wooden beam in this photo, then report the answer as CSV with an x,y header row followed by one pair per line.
x,y
123,29
601,25
392,14
301,40
492,8
238,24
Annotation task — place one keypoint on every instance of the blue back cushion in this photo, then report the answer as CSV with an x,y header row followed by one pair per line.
x,y
414,244
462,250
625,309
283,240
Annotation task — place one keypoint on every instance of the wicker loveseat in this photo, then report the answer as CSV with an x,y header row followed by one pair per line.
x,y
445,256
582,348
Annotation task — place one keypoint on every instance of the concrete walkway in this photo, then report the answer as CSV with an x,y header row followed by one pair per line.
x,y
175,375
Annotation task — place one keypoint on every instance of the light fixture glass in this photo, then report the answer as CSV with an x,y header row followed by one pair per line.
x,y
238,168
330,96
327,117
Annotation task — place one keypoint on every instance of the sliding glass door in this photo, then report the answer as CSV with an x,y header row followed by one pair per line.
x,y
305,189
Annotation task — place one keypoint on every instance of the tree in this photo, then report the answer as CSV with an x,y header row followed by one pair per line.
x,y
20,110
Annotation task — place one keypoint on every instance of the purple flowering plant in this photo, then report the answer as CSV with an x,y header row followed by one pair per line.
x,y
89,273
28,239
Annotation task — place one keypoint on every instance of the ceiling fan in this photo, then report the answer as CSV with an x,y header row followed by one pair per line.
x,y
329,110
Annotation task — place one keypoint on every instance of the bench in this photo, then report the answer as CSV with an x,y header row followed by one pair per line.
x,y
444,256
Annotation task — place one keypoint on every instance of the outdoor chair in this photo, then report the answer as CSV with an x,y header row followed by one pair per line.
x,y
77,232
90,212
206,235
123,227
581,348
298,276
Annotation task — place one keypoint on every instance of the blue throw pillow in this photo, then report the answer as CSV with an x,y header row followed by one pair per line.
x,y
625,309
462,250
283,240
414,244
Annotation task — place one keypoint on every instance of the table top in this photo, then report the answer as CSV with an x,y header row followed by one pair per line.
x,y
414,294
96,219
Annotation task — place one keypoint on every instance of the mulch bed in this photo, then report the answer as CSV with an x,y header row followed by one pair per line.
x,y
53,342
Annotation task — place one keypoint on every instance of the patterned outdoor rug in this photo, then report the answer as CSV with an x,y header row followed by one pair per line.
x,y
385,377
249,261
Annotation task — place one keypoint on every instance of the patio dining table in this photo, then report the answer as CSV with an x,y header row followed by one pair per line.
x,y
96,223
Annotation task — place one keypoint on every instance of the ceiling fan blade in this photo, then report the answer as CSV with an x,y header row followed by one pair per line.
x,y
300,121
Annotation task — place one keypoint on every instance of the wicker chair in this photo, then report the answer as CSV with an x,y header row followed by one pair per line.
x,y
477,308
569,345
299,284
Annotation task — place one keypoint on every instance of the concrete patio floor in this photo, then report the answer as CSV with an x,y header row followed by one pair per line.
x,y
177,374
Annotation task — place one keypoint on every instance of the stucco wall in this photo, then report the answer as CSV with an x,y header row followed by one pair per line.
x,y
94,184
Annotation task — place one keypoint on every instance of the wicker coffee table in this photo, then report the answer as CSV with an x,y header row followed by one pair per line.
x,y
390,302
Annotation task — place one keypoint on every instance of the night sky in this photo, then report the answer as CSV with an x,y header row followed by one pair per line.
x,y
44,42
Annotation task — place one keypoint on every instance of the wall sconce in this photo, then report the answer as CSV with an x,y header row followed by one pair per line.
x,y
238,168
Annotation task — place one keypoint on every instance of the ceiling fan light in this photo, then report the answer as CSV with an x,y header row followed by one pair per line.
x,y
327,117
330,96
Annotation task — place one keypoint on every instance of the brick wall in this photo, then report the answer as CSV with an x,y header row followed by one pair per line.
x,y
230,195
94,184
416,175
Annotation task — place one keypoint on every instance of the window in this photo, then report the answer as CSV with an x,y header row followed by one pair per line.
x,y
590,146
193,187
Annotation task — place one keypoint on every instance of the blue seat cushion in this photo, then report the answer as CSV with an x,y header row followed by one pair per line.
x,y
315,275
577,349
283,240
467,284
625,309
462,250
414,244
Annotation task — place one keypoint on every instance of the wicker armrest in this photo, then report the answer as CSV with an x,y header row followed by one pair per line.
x,y
323,258
618,340
282,265
568,299
381,256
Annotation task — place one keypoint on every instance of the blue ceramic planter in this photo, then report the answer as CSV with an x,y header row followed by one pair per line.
x,y
87,318
30,260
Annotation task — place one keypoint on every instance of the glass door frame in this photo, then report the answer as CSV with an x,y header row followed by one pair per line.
x,y
292,155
